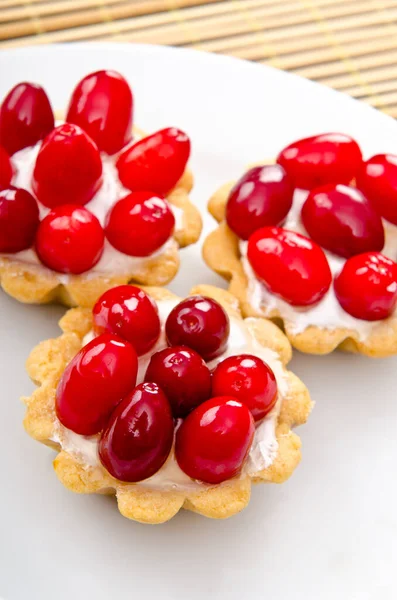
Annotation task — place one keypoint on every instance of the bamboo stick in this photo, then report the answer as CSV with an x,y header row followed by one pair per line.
x,y
336,52
371,76
377,88
279,27
237,11
114,8
359,64
250,46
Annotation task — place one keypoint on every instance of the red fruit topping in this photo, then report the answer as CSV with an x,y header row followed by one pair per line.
x,y
70,239
366,287
138,438
378,180
6,170
263,196
184,377
25,117
94,382
155,163
139,224
248,379
214,440
342,220
200,323
68,168
290,265
19,219
130,313
321,159
102,104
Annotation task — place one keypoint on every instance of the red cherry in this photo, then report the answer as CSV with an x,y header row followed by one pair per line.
x,y
342,220
68,168
214,440
94,382
130,313
263,196
25,117
19,219
6,170
184,377
321,159
139,224
138,438
248,379
70,239
200,323
290,265
366,288
102,104
155,163
378,180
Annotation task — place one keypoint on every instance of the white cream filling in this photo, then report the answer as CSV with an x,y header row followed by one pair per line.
x,y
264,448
326,314
112,261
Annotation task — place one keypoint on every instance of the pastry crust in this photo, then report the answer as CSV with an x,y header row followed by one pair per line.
x,y
35,284
221,253
45,366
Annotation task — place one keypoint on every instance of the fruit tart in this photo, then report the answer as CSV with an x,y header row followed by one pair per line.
x,y
88,202
167,403
310,241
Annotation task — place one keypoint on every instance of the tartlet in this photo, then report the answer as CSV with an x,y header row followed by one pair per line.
x,y
337,317
160,497
28,270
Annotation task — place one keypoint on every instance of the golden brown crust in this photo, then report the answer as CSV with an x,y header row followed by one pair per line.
x,y
34,284
221,253
45,366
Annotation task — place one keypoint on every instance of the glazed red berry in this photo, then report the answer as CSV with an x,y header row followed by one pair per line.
x,y
102,105
378,180
321,159
138,438
200,323
184,377
25,117
263,196
290,265
19,219
366,287
70,239
342,220
130,313
139,224
6,170
248,379
213,442
94,382
156,162
68,168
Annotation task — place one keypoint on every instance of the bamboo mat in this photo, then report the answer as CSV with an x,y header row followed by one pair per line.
x,y
350,45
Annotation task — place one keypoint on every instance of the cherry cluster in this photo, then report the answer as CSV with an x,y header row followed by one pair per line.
x,y
210,413
68,172
340,217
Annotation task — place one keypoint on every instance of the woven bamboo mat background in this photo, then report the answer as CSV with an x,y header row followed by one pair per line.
x,y
350,45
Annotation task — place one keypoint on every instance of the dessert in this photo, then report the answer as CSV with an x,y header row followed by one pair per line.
x,y
310,241
87,202
167,403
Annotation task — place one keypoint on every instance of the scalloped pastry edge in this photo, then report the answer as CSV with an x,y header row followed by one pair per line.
x,y
45,366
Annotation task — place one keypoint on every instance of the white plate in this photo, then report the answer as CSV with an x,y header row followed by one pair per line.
x,y
330,532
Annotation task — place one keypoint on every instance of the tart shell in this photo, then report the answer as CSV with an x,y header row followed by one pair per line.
x,y
35,284
221,253
45,366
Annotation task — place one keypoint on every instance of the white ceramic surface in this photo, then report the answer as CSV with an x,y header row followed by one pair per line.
x,y
331,531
